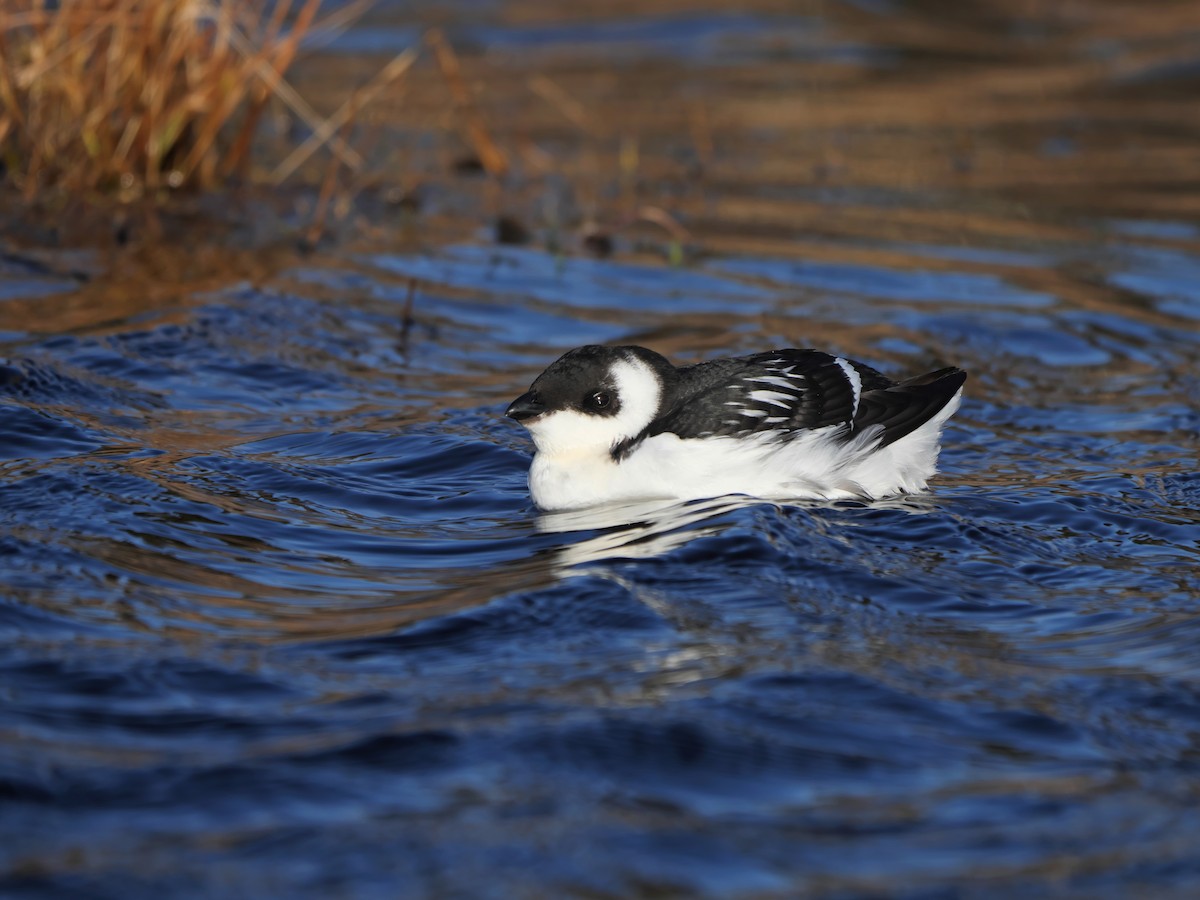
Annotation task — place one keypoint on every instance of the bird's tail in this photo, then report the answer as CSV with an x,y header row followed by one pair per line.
x,y
904,407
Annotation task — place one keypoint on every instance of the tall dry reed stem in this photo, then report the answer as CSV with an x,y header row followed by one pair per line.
x,y
133,97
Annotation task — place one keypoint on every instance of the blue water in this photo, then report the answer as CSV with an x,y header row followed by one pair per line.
x,y
279,620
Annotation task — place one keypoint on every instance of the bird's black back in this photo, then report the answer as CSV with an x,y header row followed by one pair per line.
x,y
788,391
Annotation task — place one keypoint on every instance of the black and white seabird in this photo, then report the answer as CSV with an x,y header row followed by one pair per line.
x,y
623,423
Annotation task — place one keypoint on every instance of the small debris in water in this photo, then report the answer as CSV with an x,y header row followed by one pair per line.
x,y
510,231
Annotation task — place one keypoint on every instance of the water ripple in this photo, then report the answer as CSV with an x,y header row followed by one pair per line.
x,y
280,619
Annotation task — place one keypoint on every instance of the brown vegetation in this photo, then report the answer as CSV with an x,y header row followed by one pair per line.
x,y
132,97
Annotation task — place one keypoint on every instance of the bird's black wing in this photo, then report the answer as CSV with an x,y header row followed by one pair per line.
x,y
900,409
780,391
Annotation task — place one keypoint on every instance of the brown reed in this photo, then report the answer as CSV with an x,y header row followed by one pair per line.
x,y
136,98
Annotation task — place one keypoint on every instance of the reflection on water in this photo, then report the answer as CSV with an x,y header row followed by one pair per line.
x,y
634,530
280,618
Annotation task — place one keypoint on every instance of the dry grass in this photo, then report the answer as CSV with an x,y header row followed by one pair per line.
x,y
135,98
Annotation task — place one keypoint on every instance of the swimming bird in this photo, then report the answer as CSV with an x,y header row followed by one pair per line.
x,y
623,423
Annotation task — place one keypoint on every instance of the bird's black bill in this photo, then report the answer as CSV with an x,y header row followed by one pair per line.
x,y
525,407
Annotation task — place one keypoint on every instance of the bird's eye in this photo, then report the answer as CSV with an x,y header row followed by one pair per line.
x,y
599,400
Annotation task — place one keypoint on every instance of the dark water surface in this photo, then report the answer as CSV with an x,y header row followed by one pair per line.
x,y
279,619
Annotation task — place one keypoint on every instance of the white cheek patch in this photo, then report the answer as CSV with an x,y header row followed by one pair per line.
x,y
640,392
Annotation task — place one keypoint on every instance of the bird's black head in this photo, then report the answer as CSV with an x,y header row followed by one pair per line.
x,y
593,396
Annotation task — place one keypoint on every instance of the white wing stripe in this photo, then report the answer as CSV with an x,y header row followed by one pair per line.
x,y
776,381
855,382
774,398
